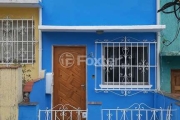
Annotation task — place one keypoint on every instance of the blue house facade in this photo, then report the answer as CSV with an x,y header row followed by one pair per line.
x,y
103,57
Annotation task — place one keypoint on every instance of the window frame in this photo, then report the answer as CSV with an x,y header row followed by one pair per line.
x,y
124,83
151,65
16,28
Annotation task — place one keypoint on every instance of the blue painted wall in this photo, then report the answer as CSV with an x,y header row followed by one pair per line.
x,y
167,35
162,101
154,100
87,39
98,12
94,12
38,95
28,112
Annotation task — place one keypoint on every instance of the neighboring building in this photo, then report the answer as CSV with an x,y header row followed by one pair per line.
x,y
19,20
96,60
170,53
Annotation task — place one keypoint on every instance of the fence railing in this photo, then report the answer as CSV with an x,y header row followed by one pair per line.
x,y
138,112
62,112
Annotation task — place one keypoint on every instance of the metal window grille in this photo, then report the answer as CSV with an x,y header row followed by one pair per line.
x,y
17,41
125,63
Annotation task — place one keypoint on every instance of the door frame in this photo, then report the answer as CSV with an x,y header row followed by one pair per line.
x,y
52,89
171,77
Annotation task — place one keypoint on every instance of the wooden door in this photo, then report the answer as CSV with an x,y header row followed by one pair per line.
x,y
175,81
69,78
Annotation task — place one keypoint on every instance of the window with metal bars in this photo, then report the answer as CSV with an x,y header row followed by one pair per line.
x,y
126,65
125,62
17,41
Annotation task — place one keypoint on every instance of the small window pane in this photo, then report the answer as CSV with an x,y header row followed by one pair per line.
x,y
126,65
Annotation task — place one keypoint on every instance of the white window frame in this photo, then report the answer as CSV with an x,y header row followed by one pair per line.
x,y
125,85
128,66
17,43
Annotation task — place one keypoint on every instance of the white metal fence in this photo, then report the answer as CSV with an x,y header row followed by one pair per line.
x,y
138,112
62,112
17,41
125,63
134,112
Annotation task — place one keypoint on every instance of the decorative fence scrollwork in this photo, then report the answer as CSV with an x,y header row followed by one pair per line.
x,y
138,112
62,112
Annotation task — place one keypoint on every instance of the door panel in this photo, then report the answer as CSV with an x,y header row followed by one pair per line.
x,y
69,77
175,81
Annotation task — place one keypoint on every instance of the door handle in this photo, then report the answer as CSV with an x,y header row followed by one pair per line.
x,y
84,86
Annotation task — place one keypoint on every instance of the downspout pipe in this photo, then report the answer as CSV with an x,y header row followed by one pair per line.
x,y
158,45
40,41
